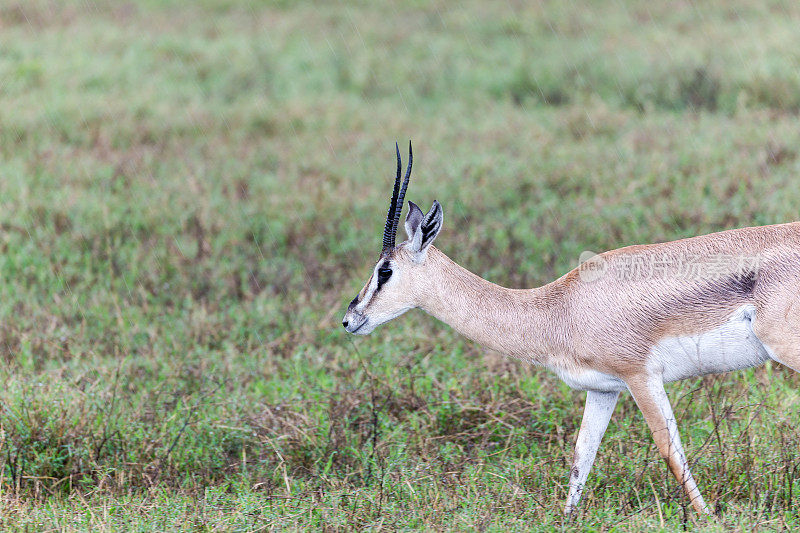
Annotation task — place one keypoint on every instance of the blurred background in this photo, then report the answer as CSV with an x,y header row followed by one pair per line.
x,y
190,194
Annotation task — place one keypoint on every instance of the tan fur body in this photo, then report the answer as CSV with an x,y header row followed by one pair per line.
x,y
631,318
610,325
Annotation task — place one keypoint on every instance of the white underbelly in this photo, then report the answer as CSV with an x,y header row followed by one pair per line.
x,y
584,379
730,346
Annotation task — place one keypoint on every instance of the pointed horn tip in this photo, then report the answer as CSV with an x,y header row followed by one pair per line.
x,y
396,205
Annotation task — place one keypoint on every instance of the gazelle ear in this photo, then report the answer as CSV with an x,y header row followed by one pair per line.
x,y
422,230
413,219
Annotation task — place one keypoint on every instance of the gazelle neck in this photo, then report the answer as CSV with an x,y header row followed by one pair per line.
x,y
515,322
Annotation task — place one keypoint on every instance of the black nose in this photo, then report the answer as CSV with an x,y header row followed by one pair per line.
x,y
344,323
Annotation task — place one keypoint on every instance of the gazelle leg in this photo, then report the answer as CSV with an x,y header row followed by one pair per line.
x,y
790,358
782,340
652,399
596,414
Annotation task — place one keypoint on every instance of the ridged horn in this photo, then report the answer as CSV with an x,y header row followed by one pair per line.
x,y
398,197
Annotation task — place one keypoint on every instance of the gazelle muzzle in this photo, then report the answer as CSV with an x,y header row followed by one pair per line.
x,y
353,321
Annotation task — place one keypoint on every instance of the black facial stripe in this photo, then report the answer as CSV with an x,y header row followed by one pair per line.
x,y
383,278
353,302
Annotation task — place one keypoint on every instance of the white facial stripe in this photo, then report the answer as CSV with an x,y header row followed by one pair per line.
x,y
371,290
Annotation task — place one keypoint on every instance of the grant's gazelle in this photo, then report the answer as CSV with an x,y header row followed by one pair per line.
x,y
632,318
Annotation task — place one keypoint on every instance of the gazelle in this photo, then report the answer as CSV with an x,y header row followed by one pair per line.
x,y
632,318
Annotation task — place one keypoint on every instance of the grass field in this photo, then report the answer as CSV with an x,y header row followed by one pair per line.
x,y
190,194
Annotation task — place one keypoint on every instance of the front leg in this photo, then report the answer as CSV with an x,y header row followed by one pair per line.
x,y
596,414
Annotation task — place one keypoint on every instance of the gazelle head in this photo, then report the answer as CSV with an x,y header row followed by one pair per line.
x,y
393,287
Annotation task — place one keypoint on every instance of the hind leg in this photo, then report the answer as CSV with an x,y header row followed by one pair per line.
x,y
785,355
778,328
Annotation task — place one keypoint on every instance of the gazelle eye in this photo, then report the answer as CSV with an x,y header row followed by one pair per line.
x,y
383,275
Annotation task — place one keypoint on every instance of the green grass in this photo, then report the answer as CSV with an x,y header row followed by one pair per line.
x,y
189,197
